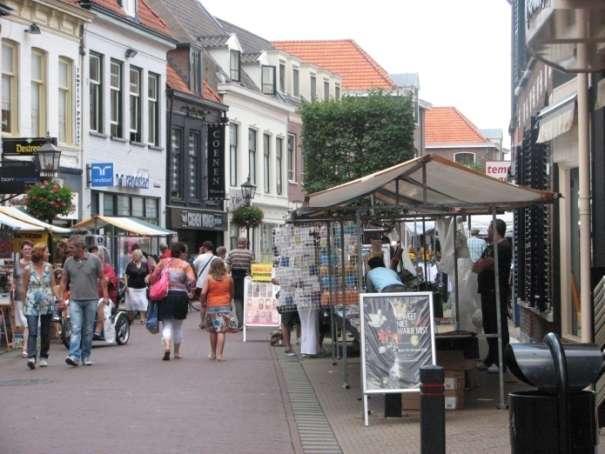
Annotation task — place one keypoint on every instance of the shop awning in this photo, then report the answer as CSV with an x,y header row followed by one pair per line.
x,y
17,225
21,215
557,119
130,225
429,184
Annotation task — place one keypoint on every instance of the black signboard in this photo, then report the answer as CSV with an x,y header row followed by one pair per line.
x,y
24,146
197,219
15,175
397,339
216,162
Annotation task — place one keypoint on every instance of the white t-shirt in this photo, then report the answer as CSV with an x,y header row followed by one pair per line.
x,y
202,265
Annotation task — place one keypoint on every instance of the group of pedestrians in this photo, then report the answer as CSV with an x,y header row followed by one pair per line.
x,y
87,283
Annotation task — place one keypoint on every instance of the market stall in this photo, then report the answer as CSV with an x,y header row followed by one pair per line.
x,y
120,234
428,188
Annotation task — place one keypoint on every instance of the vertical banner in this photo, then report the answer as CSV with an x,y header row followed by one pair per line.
x,y
397,339
216,162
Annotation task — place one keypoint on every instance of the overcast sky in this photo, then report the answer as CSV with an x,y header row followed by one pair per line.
x,y
461,49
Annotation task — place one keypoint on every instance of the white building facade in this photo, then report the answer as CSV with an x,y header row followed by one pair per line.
x,y
124,125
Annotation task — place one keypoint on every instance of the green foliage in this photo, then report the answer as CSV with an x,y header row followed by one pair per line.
x,y
352,137
47,200
247,216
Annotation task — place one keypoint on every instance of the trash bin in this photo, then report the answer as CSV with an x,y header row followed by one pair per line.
x,y
534,422
559,417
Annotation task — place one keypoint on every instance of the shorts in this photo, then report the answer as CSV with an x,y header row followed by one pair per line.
x,y
290,318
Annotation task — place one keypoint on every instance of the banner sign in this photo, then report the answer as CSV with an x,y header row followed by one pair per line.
x,y
260,305
101,174
216,161
24,146
261,272
197,219
397,339
497,169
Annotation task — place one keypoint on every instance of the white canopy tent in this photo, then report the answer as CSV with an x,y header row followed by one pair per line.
x,y
22,216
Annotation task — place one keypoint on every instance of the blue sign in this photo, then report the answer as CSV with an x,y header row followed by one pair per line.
x,y
101,174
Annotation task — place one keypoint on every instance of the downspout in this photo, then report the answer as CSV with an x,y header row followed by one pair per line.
x,y
170,93
83,202
584,185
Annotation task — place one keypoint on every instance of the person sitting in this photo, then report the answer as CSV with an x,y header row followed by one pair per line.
x,y
381,279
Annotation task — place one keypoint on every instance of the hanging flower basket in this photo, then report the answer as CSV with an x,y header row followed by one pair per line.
x,y
247,217
47,200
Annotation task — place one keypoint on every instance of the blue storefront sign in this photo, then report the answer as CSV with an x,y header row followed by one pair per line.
x,y
101,174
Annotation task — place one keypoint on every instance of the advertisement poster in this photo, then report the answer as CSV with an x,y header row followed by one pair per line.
x,y
397,339
260,308
497,169
261,272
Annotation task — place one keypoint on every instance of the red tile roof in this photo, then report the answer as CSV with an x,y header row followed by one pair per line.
x,y
147,16
344,57
446,125
176,82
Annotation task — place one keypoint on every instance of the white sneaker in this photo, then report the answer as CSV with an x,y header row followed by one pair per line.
x,y
493,369
87,362
43,363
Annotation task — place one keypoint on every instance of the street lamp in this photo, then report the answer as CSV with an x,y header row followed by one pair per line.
x,y
248,191
48,158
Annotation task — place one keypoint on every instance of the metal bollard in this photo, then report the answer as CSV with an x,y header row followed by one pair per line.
x,y
432,410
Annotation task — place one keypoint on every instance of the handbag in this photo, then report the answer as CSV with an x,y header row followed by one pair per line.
x,y
159,289
152,323
233,320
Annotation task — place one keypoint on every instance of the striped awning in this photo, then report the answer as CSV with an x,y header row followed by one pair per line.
x,y
557,120
130,225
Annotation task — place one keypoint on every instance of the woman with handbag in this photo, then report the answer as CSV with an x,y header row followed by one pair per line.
x,y
172,310
217,293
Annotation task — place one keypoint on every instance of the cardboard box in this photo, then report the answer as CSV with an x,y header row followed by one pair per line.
x,y
410,401
451,359
454,380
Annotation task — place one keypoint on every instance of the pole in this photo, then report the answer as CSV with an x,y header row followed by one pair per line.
x,y
432,410
456,290
426,274
584,183
331,291
345,372
501,404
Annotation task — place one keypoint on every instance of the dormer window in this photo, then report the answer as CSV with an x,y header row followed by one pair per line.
x,y
235,66
130,7
268,80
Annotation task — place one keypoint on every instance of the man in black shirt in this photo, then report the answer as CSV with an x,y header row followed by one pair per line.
x,y
487,288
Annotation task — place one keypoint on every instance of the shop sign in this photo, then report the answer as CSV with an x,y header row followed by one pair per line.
x,y
133,181
15,175
24,146
216,161
497,169
197,219
101,174
397,340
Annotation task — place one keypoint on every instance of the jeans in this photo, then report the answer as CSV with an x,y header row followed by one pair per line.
x,y
32,340
82,314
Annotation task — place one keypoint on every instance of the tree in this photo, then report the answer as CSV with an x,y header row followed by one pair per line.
x,y
348,138
48,200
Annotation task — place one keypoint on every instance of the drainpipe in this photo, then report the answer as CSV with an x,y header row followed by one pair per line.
x,y
584,183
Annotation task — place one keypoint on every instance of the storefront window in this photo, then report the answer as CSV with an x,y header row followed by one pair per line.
x,y
151,210
109,208
123,205
266,243
137,207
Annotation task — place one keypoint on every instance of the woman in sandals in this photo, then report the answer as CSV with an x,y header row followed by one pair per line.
x,y
217,293
173,309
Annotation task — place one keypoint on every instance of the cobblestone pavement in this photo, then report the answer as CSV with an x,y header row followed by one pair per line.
x,y
132,402
479,428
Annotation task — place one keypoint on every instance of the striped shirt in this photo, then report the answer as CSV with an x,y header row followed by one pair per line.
x,y
240,259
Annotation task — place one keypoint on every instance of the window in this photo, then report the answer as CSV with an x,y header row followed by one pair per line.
x,y
115,86
267,161
291,157
295,82
153,109
135,104
466,159
9,87
95,70
282,77
109,206
138,209
65,101
176,162
38,93
123,205
130,7
233,154
194,153
313,87
337,91
235,67
326,90
252,155
196,71
279,164
268,80
151,210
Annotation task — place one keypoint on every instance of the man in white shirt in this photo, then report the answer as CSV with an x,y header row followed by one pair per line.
x,y
476,245
202,262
